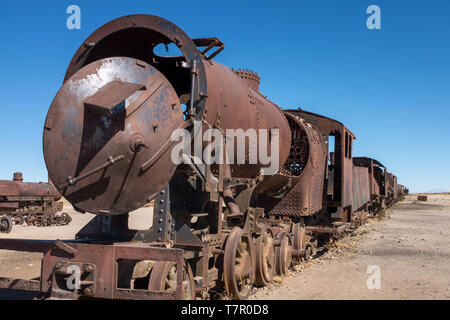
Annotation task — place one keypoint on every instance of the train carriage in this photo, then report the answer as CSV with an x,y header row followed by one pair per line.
x,y
391,188
377,181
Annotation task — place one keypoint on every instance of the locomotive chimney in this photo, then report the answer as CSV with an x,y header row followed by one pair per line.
x,y
17,176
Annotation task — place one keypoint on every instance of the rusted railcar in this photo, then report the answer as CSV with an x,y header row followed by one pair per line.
x,y
215,225
402,191
391,188
361,187
377,181
30,202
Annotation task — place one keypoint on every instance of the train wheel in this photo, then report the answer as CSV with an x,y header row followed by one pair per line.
x,y
299,242
283,253
46,220
314,246
265,258
5,224
63,220
238,265
18,220
31,219
308,253
163,277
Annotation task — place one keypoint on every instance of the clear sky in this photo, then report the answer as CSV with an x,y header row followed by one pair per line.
x,y
391,86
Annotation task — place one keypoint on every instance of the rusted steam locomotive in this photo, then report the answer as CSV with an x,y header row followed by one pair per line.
x,y
223,225
33,203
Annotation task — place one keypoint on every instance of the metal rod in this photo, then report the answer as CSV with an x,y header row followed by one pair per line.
x,y
71,181
191,102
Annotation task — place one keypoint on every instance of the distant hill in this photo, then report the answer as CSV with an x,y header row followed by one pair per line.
x,y
438,190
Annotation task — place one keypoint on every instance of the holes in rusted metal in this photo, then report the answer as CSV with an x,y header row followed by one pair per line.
x,y
167,50
298,156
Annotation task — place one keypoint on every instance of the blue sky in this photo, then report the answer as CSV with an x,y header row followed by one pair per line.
x,y
391,87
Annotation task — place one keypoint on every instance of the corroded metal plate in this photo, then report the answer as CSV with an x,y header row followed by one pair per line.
x,y
120,109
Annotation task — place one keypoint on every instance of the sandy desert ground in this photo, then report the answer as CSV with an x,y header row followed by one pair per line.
x,y
410,246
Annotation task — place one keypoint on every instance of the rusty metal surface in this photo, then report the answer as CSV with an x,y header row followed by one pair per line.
x,y
395,187
391,186
366,162
221,95
34,203
130,133
104,270
251,77
422,198
361,187
17,190
402,190
306,168
376,176
135,36
230,95
380,175
238,264
264,257
342,163
283,252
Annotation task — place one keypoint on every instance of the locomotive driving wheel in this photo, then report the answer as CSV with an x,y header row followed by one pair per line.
x,y
6,224
299,241
63,220
164,278
18,220
238,265
31,219
283,253
265,257
47,220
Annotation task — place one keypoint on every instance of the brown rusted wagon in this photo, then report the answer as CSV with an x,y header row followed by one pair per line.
x,y
377,182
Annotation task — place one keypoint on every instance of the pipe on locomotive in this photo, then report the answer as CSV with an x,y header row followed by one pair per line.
x,y
121,100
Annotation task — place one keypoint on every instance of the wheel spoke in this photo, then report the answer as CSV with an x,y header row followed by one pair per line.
x,y
238,274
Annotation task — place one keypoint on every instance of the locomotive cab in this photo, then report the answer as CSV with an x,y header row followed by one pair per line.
x,y
338,187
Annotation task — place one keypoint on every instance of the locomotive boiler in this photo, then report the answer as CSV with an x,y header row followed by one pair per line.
x,y
30,202
226,224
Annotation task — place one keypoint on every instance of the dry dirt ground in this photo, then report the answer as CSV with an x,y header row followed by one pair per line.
x,y
409,245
